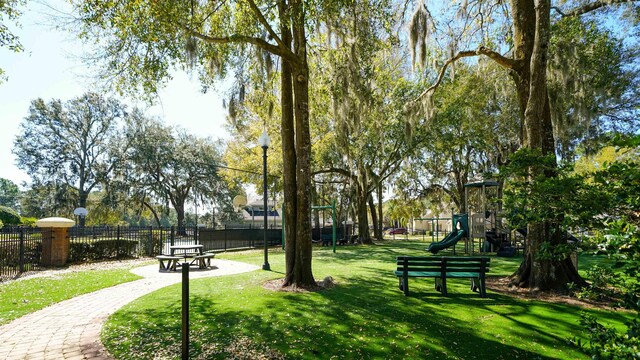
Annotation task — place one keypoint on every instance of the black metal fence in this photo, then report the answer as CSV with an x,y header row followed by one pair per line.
x,y
20,250
21,247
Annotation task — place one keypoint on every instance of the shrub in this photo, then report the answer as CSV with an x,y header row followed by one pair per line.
x,y
102,249
9,216
607,343
151,244
28,221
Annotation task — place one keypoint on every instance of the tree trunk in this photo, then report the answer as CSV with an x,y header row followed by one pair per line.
x,y
363,218
287,133
299,272
374,216
180,214
82,202
538,272
380,219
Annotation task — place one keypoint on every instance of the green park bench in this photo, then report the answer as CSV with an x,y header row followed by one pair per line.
x,y
441,268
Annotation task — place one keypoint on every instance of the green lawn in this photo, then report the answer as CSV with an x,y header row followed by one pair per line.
x,y
18,298
364,317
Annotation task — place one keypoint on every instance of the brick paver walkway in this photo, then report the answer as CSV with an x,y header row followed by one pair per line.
x,y
71,329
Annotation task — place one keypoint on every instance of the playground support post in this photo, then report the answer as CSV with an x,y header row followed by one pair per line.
x,y
333,222
333,219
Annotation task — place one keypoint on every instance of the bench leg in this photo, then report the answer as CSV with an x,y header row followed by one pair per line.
x,y
483,288
474,285
444,286
405,285
438,285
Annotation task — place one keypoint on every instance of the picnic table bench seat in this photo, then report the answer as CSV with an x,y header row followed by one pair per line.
x,y
171,262
441,268
204,259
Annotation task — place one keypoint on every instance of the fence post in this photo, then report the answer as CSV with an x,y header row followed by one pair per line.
x,y
151,243
118,241
172,234
21,245
225,237
195,234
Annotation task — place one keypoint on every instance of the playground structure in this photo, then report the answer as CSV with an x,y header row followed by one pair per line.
x,y
482,222
485,218
333,223
459,231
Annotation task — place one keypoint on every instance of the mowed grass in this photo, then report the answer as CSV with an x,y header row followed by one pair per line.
x,y
18,298
364,317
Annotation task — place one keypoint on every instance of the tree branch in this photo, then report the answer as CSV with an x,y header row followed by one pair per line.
x,y
237,39
266,25
482,50
581,10
334,170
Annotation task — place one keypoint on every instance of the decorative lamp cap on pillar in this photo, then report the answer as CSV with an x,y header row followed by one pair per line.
x,y
264,140
55,222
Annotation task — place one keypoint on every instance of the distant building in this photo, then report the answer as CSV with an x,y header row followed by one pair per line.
x,y
253,214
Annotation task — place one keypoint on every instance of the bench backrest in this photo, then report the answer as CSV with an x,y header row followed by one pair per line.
x,y
443,264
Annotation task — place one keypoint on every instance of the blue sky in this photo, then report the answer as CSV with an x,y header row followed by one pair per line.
x,y
50,68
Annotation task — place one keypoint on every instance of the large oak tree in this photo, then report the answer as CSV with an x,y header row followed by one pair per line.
x,y
516,35
70,145
139,43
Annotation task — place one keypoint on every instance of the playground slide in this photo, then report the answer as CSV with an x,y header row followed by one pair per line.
x,y
448,241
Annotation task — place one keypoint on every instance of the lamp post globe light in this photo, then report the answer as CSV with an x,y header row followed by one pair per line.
x,y
264,142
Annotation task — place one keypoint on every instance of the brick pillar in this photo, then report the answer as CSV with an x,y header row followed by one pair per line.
x,y
55,249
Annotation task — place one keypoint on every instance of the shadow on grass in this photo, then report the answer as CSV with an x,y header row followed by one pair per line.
x,y
365,316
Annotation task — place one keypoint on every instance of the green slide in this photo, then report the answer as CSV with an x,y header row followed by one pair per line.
x,y
448,241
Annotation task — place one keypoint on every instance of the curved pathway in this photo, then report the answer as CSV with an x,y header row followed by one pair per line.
x,y
71,329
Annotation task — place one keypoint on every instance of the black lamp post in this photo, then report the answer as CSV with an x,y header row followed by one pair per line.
x,y
264,142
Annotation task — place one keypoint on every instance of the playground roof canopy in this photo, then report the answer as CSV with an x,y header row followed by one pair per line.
x,y
482,183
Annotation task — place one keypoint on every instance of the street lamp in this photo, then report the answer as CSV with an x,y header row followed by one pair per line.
x,y
264,142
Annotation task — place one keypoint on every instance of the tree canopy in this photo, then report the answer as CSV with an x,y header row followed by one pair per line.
x,y
9,9
9,194
70,145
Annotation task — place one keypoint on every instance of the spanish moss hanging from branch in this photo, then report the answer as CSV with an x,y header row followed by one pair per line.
x,y
420,28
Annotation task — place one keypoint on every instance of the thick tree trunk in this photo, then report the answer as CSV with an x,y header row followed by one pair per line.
x,y
180,215
287,133
299,263
538,272
363,218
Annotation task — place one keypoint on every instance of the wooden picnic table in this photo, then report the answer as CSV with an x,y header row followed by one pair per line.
x,y
190,251
185,249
